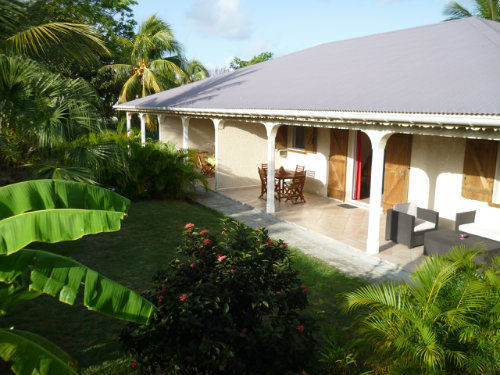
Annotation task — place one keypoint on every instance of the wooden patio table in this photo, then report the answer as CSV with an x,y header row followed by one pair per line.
x,y
281,176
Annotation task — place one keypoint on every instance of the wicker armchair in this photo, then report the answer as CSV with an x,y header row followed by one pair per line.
x,y
407,224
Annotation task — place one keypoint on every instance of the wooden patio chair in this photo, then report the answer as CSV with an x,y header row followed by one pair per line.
x,y
206,169
263,183
294,190
300,168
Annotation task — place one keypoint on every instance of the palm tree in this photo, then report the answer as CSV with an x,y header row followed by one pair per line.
x,y
71,41
155,59
193,71
444,321
488,9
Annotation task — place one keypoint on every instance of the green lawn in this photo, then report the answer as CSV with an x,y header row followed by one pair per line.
x,y
147,242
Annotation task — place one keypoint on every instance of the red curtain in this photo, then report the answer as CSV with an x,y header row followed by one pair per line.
x,y
357,170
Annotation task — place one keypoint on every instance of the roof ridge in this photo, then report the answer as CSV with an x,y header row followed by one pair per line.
x,y
486,27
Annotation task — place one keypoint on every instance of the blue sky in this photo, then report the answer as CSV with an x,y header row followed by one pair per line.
x,y
214,31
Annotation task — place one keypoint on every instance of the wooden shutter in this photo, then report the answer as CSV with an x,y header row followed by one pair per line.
x,y
479,169
396,170
282,137
339,139
311,141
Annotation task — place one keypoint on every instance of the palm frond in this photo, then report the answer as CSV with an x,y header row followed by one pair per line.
x,y
120,71
79,42
455,11
131,89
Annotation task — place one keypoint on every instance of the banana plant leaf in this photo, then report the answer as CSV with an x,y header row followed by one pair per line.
x,y
33,354
54,225
36,195
62,277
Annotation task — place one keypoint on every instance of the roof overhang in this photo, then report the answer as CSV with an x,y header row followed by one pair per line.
x,y
471,121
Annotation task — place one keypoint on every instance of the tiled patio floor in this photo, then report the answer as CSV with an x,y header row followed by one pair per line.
x,y
324,215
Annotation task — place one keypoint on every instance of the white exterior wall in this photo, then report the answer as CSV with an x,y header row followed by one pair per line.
x,y
201,135
242,148
171,130
436,176
317,163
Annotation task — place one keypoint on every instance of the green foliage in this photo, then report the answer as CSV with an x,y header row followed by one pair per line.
x,y
238,63
156,170
231,305
487,9
52,211
445,321
338,353
155,57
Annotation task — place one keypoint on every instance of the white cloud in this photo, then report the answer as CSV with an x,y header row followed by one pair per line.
x,y
220,17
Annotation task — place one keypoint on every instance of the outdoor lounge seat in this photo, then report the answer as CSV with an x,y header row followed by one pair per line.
x,y
407,223
484,222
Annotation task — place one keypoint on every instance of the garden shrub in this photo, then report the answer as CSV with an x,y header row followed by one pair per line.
x,y
232,304
446,320
156,170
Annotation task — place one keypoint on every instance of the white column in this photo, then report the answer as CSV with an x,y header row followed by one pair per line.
x,y
378,140
271,129
160,119
142,116
218,125
185,132
129,123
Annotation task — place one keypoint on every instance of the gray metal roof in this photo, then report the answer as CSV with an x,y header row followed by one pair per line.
x,y
448,68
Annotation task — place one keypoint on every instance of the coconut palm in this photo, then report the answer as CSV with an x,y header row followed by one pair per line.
x,y
193,71
445,321
155,56
488,9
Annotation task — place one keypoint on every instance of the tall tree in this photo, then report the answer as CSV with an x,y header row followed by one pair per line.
x,y
238,63
193,71
155,59
488,9
72,41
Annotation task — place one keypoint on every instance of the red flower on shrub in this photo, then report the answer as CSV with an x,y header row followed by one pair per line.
x,y
159,298
220,257
192,265
300,328
183,297
164,288
223,232
244,331
278,293
203,232
133,364
231,271
304,288
206,241
188,226
285,245
181,265
270,242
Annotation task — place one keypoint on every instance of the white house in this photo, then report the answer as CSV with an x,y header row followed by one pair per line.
x,y
410,115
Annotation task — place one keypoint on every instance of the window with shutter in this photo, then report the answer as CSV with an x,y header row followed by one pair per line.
x,y
282,137
311,135
479,169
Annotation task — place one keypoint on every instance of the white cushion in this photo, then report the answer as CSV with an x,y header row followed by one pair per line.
x,y
406,208
421,225
491,231
487,216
